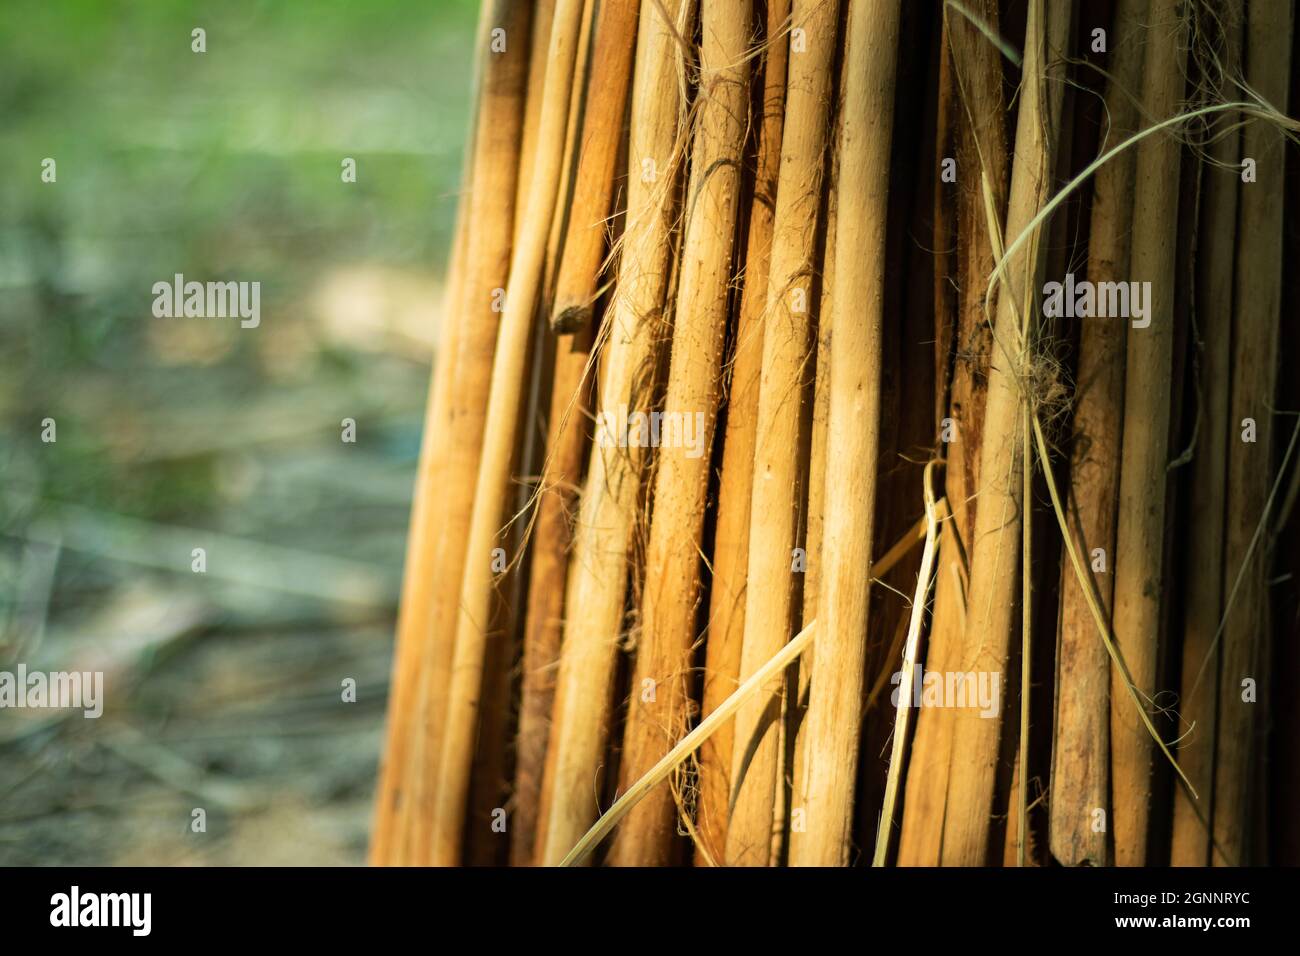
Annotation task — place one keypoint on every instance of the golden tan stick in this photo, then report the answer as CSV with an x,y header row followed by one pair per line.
x,y
565,443
852,437
1081,749
414,606
500,432
543,14
487,262
595,372
1216,252
815,511
1254,376
982,161
485,843
991,603
1020,809
607,92
1014,851
658,712
574,128
796,705
1140,531
731,537
792,743
774,506
413,611
598,569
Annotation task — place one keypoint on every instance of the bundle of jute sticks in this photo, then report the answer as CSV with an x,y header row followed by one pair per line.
x,y
856,433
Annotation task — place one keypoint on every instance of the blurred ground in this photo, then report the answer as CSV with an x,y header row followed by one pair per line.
x,y
223,689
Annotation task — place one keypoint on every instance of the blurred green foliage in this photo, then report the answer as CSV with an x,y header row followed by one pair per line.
x,y
219,165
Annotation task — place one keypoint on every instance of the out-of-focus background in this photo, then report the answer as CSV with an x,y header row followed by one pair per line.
x,y
224,689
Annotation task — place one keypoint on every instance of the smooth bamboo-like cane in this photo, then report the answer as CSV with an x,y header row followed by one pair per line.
x,y
413,609
774,508
1080,804
982,152
422,535
540,42
731,536
1268,59
815,511
574,130
991,602
795,716
607,93
487,264
1140,530
852,437
551,539
500,433
1215,260
599,567
661,686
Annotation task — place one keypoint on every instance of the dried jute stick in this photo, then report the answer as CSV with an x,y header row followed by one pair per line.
x,y
1140,531
486,264
500,435
658,712
1254,380
796,705
422,535
607,94
598,568
1081,750
1216,254
543,17
991,602
853,437
731,536
413,609
559,228
774,506
551,537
